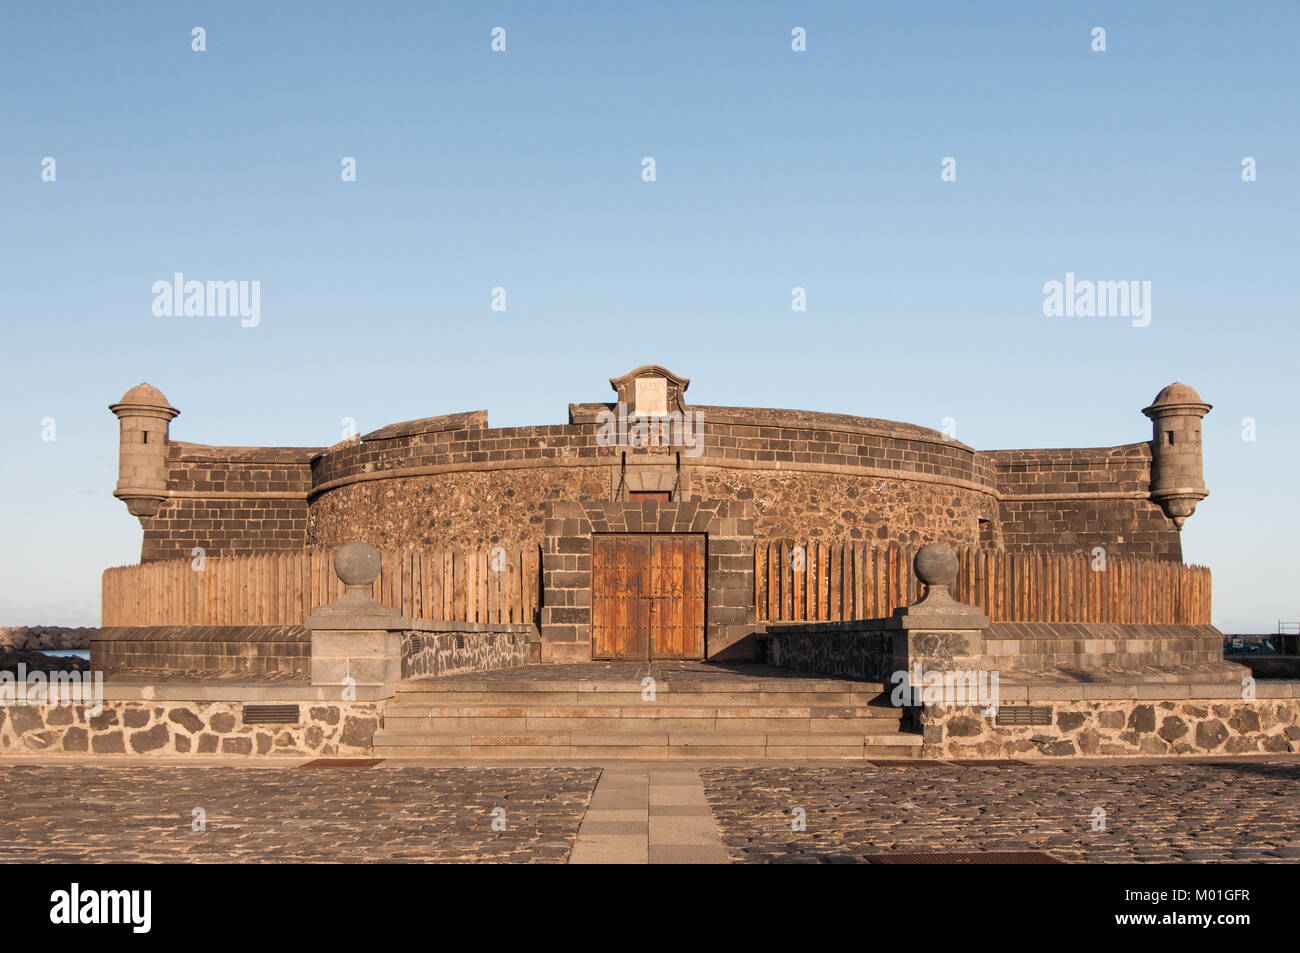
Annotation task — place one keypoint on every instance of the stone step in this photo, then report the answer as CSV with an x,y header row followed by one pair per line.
x,y
856,712
640,745
871,726
392,736
597,755
745,685
501,720
558,699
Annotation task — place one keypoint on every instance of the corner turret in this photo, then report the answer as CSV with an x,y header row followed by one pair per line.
x,y
145,417
1177,483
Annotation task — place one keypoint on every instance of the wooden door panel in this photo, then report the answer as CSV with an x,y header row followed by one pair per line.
x,y
693,606
647,596
678,564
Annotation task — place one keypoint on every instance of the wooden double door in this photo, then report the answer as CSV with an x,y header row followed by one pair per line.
x,y
647,596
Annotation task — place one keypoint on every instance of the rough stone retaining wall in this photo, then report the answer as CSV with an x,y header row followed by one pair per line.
x,y
1119,727
464,647
861,649
187,728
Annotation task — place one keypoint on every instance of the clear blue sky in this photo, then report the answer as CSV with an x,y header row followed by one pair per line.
x,y
522,169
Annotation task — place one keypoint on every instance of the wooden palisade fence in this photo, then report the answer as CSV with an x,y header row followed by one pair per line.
x,y
827,581
494,584
837,581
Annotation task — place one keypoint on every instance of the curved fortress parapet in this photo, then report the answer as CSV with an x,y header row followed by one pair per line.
x,y
797,474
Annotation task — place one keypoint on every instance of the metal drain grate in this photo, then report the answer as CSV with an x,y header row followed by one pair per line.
x,y
460,640
270,714
965,857
417,643
1024,715
342,763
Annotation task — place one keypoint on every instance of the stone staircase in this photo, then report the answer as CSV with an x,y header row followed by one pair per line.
x,y
600,711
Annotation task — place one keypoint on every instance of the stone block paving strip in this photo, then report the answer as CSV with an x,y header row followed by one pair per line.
x,y
1237,810
649,813
143,813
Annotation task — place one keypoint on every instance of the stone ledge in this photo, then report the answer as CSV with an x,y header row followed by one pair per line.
x,y
1150,691
438,625
201,633
240,692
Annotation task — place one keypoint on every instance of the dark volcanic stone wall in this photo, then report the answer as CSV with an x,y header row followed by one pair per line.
x,y
456,481
1071,500
453,480
465,508
804,505
245,500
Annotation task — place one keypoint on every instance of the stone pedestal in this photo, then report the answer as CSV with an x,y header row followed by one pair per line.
x,y
356,640
938,641
948,638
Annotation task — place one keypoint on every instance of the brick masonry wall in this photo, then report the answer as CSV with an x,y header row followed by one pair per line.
x,y
729,569
1121,527
788,437
455,480
1127,523
479,447
230,501
281,650
833,441
1041,646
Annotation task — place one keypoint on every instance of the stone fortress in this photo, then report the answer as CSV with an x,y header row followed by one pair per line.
x,y
747,474
442,589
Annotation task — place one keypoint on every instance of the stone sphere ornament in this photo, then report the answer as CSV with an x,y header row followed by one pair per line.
x,y
357,564
936,564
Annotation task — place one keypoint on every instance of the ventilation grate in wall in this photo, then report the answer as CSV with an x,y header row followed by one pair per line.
x,y
270,714
1024,715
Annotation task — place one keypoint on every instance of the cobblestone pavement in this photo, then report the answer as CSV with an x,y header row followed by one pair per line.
x,y
79,812
1243,810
